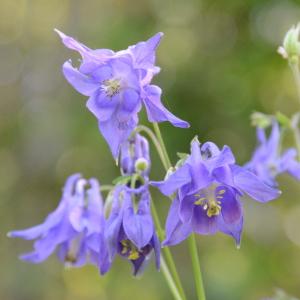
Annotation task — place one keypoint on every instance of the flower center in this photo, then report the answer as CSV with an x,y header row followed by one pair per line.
x,y
111,87
130,250
209,199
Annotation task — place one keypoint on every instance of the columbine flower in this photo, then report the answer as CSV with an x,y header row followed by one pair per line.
x,y
268,162
209,185
134,156
129,230
74,229
117,84
291,45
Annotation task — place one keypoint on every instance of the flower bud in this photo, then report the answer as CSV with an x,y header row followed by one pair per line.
x,y
260,120
291,47
141,165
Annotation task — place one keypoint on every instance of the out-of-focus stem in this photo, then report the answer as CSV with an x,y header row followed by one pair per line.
x,y
159,136
294,65
296,74
196,268
106,188
167,253
296,132
192,241
169,279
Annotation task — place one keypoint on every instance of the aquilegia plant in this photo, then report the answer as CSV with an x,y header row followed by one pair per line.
x,y
206,187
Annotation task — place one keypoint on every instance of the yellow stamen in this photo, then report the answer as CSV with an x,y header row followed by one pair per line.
x,y
214,209
133,255
221,192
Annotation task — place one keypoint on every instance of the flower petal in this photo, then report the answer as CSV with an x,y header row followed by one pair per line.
x,y
176,231
156,111
202,224
231,209
250,184
138,226
116,132
130,104
173,182
102,106
80,82
144,52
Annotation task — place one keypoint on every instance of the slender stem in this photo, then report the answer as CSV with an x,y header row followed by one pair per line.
x,y
156,143
192,241
106,188
295,70
159,137
169,280
196,268
296,132
296,74
167,253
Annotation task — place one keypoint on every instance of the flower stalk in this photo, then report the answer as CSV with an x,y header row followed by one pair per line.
x,y
193,245
196,268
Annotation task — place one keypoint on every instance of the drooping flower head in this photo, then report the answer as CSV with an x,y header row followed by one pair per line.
x,y
134,156
73,230
209,185
117,84
268,162
129,230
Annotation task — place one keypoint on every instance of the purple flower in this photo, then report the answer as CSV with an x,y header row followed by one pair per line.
x,y
117,84
74,229
209,185
268,162
134,156
129,230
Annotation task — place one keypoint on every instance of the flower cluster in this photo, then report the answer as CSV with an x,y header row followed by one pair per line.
x,y
206,185
268,161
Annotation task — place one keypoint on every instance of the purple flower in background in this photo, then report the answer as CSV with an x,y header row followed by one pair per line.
x,y
74,229
130,231
117,84
209,185
134,156
267,161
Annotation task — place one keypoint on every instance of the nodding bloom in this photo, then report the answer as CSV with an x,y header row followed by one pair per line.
x,y
117,84
209,185
134,156
268,162
73,230
129,230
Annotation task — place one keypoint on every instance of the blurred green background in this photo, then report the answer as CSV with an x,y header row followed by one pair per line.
x,y
219,64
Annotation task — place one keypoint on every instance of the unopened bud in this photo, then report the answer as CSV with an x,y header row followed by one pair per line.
x,y
261,120
141,165
291,47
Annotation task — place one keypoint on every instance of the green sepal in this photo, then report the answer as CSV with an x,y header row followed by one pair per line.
x,y
182,155
283,120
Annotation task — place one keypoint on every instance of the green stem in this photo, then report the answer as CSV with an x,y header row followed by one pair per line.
x,y
196,268
295,126
159,137
297,140
167,253
169,280
192,241
295,70
106,188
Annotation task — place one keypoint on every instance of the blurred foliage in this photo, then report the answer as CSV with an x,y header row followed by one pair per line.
x,y
281,295
219,64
